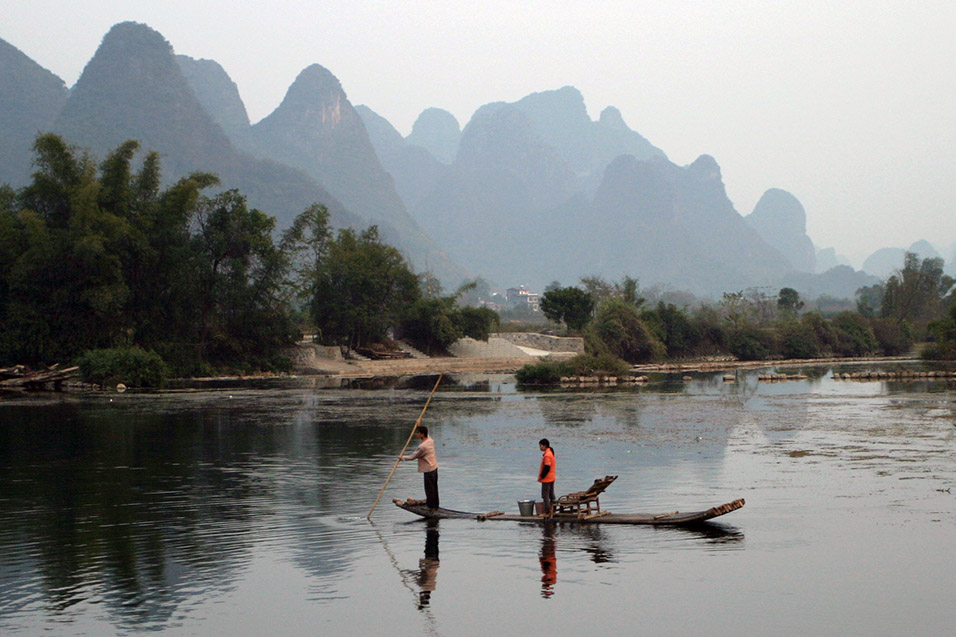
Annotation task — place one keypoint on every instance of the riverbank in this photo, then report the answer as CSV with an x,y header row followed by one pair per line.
x,y
449,365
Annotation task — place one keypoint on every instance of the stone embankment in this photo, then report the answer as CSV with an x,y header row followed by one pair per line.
x,y
903,374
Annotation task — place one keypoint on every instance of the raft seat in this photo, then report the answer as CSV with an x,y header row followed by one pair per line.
x,y
584,505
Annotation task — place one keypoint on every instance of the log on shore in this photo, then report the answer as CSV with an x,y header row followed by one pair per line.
x,y
23,378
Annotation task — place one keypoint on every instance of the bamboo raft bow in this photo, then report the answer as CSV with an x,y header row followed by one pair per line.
x,y
582,507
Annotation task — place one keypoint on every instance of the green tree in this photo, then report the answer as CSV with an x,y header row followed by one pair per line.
x,y
737,310
915,292
788,301
242,309
600,289
751,343
98,257
571,306
944,331
617,329
434,323
855,336
363,287
799,340
673,327
869,299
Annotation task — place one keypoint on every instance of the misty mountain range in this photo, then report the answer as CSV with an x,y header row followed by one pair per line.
x,y
526,193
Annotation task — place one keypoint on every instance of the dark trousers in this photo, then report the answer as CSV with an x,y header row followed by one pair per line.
x,y
547,494
431,489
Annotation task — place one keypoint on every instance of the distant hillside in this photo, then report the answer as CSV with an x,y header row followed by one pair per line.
x,y
415,170
780,220
539,192
133,88
675,225
30,100
527,192
840,282
219,95
886,261
316,130
561,118
438,132
828,258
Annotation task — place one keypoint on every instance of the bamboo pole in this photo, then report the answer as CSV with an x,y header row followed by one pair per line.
x,y
407,442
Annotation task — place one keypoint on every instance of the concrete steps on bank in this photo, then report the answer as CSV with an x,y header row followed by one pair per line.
x,y
409,349
494,348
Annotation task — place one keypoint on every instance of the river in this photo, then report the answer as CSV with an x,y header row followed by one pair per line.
x,y
242,510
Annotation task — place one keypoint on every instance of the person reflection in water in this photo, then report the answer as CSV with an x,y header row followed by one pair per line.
x,y
428,566
549,563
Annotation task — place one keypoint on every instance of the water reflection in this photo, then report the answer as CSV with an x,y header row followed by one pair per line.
x,y
549,562
173,511
714,534
428,565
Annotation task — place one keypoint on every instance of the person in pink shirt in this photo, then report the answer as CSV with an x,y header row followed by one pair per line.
x,y
427,465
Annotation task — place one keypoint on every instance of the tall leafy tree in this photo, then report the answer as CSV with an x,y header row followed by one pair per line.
x,y
98,256
618,329
571,306
240,273
915,292
362,288
788,301
673,327
435,322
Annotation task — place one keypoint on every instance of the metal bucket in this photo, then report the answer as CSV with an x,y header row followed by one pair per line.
x,y
526,507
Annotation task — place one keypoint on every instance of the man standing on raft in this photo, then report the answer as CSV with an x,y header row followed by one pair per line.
x,y
546,476
427,465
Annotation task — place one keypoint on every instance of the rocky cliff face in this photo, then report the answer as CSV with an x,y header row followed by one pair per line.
x,y
317,130
539,192
438,132
415,170
219,95
675,225
781,221
133,88
30,100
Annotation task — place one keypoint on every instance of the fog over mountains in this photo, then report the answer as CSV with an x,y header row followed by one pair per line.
x,y
525,193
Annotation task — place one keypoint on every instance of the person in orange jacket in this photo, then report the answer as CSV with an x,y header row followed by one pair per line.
x,y
546,475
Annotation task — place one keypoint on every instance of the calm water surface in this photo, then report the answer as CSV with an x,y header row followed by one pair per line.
x,y
242,511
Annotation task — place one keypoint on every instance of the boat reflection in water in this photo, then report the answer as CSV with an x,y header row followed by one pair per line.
x,y
598,544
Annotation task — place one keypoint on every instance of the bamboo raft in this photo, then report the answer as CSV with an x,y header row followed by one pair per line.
x,y
582,507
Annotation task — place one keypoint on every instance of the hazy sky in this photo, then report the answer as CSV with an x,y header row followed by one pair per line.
x,y
850,105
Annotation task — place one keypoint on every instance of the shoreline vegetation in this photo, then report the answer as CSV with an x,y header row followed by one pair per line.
x,y
331,369
104,269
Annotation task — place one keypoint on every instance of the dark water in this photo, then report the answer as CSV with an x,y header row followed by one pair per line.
x,y
235,511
